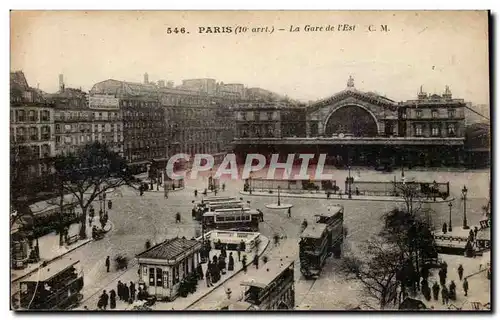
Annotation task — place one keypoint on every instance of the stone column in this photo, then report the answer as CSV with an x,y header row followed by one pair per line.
x,y
308,128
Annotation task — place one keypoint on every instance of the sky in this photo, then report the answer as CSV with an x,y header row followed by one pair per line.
x,y
425,48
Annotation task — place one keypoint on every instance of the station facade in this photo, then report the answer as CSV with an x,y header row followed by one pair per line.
x,y
358,128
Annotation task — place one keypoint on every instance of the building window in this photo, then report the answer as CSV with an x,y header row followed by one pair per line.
x,y
434,114
419,113
45,133
45,115
418,130
435,131
20,116
33,134
270,115
451,113
451,130
58,128
32,116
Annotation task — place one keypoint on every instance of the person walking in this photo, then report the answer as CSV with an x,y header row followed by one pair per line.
x,y
239,253
112,299
105,299
256,261
444,295
466,286
107,264
289,212
126,293
230,265
244,263
223,187
195,193
208,278
435,291
119,289
460,272
177,217
132,291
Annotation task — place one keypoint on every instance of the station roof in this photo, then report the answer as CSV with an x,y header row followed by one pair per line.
x,y
170,249
263,276
52,269
314,231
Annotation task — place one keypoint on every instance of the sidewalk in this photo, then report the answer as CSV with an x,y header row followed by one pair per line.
x,y
179,303
479,285
286,248
50,249
337,197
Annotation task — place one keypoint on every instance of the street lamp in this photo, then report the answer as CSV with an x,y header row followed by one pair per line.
x,y
349,182
464,194
279,199
449,225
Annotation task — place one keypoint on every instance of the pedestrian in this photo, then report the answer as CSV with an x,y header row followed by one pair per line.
x,y
444,229
442,277
107,264
112,299
230,265
444,295
328,194
195,193
105,299
239,254
177,217
453,291
199,271
222,264
476,230
256,261
126,293
466,286
208,278
460,272
289,212
357,191
435,290
244,263
119,289
132,291
223,186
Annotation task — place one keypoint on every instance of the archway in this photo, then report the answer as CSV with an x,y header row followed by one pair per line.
x,y
351,119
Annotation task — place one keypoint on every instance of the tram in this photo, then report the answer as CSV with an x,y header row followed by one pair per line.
x,y
269,288
320,240
56,286
206,206
235,219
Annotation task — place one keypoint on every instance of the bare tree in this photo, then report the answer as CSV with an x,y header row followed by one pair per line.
x,y
89,172
411,195
378,271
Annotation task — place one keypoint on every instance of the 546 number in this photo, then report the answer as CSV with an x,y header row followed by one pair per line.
x,y
176,30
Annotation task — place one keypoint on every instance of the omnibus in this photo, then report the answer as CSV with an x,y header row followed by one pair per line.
x,y
206,206
321,239
236,219
272,287
56,286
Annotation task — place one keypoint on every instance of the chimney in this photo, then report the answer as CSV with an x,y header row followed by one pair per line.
x,y
61,82
146,78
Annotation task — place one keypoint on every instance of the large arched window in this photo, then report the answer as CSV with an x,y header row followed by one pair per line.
x,y
351,120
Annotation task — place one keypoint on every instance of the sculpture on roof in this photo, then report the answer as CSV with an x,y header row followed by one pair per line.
x,y
350,82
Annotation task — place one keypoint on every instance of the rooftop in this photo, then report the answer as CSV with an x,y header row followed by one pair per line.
x,y
169,249
46,273
314,231
263,276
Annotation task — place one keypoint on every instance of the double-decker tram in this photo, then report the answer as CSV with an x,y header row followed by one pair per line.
x,y
321,239
56,286
271,287
212,203
236,219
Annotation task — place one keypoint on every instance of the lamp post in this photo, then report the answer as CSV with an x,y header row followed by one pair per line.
x,y
349,182
279,199
449,222
464,194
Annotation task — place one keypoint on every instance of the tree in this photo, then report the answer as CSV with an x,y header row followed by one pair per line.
x,y
378,271
89,172
411,195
